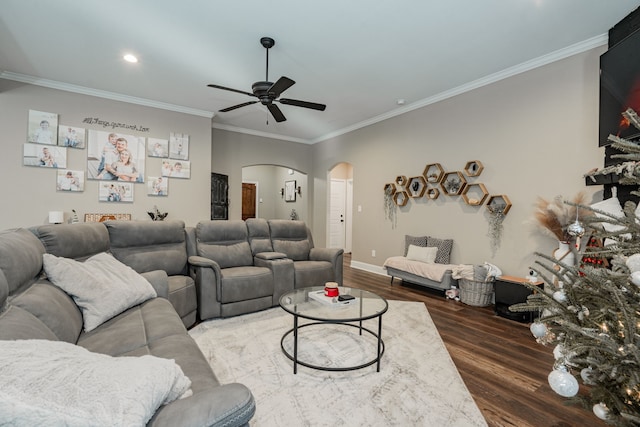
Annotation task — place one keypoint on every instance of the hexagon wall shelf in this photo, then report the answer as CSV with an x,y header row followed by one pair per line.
x,y
416,186
432,193
391,187
473,168
433,173
401,198
500,202
453,183
475,194
401,180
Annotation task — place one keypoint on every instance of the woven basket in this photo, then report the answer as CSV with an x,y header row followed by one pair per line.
x,y
476,292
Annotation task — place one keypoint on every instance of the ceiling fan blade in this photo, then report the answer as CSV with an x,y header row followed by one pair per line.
x,y
280,86
232,90
276,113
244,104
304,104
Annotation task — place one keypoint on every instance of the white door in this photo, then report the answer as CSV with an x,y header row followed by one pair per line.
x,y
337,213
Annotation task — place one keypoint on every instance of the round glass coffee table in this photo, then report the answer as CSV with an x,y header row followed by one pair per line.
x,y
310,303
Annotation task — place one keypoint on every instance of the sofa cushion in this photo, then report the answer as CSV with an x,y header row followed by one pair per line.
x,y
150,245
77,241
224,242
291,238
420,241
259,237
245,283
20,260
54,383
422,254
18,324
444,249
101,286
54,308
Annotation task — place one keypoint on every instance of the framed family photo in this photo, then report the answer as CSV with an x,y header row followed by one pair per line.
x,y
157,186
70,180
43,127
157,147
176,169
179,146
115,157
45,156
72,137
116,192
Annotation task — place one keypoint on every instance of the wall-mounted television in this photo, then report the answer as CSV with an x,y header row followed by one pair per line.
x,y
619,88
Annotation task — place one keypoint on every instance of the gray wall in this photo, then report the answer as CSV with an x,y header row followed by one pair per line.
x,y
231,151
29,193
535,133
270,180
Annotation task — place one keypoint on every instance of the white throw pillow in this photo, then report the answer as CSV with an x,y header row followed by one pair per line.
x,y
426,254
102,286
56,383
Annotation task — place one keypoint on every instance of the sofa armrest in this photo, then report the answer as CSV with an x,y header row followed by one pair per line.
x,y
270,255
283,274
332,255
208,278
225,405
160,282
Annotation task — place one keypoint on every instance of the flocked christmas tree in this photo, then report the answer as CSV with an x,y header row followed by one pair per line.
x,y
591,315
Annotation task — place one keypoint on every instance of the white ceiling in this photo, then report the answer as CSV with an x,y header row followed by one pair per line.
x,y
358,56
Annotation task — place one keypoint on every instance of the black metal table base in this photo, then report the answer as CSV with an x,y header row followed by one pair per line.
x,y
296,361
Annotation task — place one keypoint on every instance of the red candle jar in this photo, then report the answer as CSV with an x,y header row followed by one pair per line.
x,y
331,289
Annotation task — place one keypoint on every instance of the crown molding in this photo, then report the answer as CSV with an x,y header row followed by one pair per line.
x,y
52,84
557,55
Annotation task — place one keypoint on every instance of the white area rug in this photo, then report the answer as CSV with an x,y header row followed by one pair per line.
x,y
418,384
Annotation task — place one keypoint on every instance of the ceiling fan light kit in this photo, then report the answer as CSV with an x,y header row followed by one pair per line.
x,y
268,92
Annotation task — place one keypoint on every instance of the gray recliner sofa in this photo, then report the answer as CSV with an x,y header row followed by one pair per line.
x,y
312,266
33,308
246,266
230,279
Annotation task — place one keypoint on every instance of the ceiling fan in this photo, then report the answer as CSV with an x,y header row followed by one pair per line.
x,y
268,92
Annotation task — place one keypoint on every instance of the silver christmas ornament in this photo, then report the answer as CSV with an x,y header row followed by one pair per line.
x,y
601,410
563,383
576,229
560,296
633,262
635,278
538,329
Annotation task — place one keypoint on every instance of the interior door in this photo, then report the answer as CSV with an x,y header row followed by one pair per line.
x,y
219,196
337,213
248,200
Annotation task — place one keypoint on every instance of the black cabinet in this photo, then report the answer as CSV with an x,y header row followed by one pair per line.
x,y
510,290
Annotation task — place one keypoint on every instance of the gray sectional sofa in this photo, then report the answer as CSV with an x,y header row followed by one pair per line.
x,y
217,269
242,267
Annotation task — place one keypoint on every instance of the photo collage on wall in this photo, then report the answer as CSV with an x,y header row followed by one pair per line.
x,y
115,159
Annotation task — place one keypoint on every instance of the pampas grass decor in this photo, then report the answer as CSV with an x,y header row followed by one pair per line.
x,y
553,217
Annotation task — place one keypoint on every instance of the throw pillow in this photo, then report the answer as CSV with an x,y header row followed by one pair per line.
x,y
444,249
612,207
102,286
56,383
426,255
420,241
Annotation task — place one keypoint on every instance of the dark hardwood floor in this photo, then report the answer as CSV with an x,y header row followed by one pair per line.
x,y
499,360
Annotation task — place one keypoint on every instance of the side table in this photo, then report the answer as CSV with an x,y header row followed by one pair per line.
x,y
511,290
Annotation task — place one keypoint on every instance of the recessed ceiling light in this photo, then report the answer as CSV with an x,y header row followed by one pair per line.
x,y
130,58
400,101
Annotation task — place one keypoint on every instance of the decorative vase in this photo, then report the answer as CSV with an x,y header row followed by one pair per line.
x,y
565,256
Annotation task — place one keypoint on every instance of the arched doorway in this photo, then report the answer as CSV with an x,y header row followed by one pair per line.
x,y
265,192
340,207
